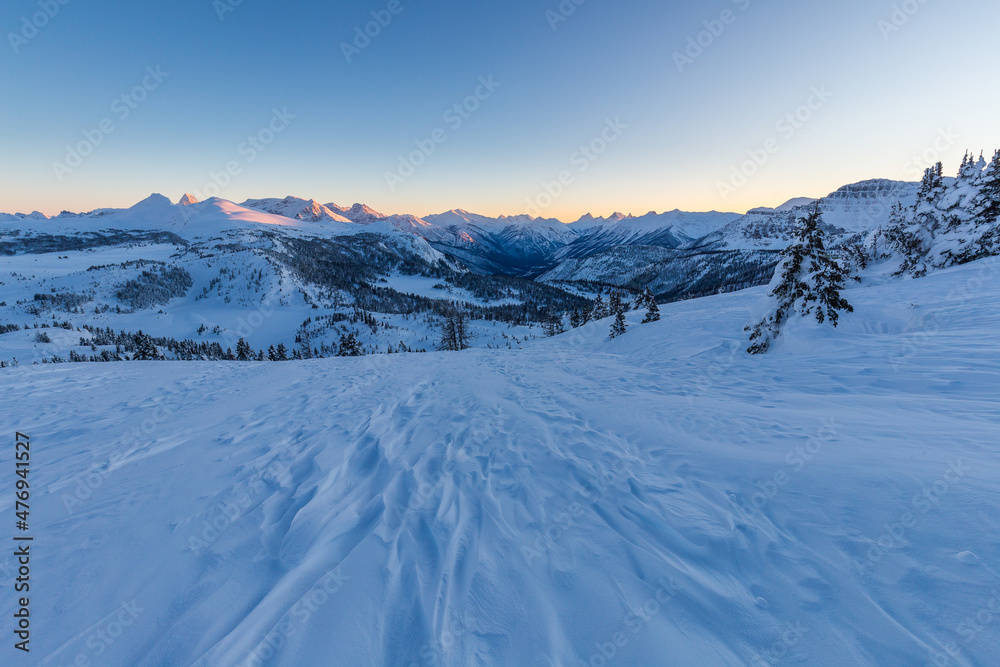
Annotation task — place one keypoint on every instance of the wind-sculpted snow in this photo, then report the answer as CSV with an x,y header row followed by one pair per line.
x,y
660,499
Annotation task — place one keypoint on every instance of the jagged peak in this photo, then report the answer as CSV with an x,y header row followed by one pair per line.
x,y
362,214
367,210
187,199
524,217
296,208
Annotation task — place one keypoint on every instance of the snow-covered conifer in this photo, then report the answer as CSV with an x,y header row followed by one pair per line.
x,y
807,281
349,346
599,310
652,312
553,325
619,326
243,351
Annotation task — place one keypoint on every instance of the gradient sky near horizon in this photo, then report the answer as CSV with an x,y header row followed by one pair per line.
x,y
898,99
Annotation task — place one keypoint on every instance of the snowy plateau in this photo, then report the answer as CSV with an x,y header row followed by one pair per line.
x,y
660,498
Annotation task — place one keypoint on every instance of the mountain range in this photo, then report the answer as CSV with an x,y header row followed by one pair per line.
x,y
296,272
534,248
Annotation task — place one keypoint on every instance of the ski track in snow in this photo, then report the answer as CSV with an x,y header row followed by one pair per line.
x,y
533,507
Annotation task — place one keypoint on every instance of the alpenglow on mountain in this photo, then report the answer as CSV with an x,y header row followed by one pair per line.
x,y
309,271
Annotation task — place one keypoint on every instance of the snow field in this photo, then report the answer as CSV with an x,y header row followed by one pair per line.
x,y
659,499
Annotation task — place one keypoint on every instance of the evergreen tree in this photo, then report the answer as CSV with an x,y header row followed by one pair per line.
x,y
988,203
599,311
619,326
243,351
448,341
145,348
281,353
652,312
349,346
553,325
951,223
272,354
462,333
985,214
455,334
932,191
807,281
575,320
616,304
646,299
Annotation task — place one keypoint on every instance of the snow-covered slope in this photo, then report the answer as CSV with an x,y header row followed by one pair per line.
x,y
192,220
669,273
864,206
668,230
359,213
853,209
295,208
530,246
678,254
662,499
795,202
714,251
518,245
213,272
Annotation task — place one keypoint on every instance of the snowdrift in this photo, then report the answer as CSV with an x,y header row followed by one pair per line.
x,y
659,499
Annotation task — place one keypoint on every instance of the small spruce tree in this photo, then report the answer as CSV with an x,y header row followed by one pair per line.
x,y
988,205
553,325
145,348
599,310
619,326
646,299
349,346
652,312
807,281
616,304
243,351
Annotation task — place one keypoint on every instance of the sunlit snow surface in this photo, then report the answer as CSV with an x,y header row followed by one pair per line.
x,y
660,499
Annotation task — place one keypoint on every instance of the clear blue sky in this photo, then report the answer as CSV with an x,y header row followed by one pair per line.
x,y
893,94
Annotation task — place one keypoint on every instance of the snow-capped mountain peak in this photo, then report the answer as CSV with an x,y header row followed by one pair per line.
x,y
153,200
295,208
363,214
523,218
457,216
